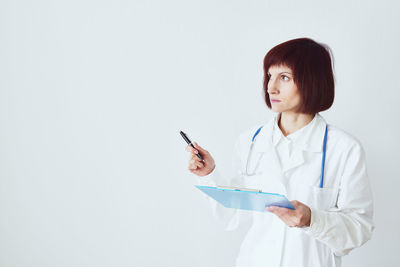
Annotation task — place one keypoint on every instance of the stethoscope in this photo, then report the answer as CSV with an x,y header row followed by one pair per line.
x,y
321,183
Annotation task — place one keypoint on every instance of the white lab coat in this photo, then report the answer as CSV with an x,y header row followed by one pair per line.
x,y
341,211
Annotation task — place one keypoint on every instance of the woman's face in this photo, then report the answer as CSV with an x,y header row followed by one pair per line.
x,y
282,90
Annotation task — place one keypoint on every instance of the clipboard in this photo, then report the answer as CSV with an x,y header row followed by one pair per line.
x,y
245,198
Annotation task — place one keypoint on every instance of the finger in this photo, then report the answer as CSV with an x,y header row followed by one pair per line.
x,y
199,165
278,210
193,161
194,157
296,204
196,162
199,148
190,149
270,209
192,166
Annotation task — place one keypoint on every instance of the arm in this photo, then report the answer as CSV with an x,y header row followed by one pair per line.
x,y
230,218
350,224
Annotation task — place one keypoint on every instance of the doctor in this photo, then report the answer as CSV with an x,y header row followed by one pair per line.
x,y
320,167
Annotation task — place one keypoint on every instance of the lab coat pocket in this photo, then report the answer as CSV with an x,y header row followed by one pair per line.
x,y
316,197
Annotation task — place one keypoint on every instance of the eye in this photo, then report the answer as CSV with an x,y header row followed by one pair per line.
x,y
285,78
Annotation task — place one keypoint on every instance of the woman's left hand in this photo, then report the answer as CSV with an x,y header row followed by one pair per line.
x,y
299,217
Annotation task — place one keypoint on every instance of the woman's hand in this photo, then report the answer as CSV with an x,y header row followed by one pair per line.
x,y
300,217
196,165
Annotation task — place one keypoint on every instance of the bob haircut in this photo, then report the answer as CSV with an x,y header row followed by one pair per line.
x,y
312,69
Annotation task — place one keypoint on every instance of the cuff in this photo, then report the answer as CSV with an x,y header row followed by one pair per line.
x,y
316,224
211,179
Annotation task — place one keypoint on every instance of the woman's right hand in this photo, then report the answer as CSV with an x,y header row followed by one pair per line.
x,y
196,165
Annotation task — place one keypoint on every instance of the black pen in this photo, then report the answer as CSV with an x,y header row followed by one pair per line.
x,y
190,143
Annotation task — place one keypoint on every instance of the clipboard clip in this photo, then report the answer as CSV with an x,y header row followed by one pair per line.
x,y
239,188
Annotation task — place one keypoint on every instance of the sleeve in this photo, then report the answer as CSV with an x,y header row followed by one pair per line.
x,y
230,219
350,224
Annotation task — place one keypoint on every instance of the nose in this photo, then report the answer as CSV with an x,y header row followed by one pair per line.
x,y
272,87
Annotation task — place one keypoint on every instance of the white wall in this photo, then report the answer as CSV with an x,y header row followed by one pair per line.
x,y
94,93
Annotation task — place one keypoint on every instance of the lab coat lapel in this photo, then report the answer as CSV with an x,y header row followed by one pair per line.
x,y
296,160
270,166
275,177
310,142
265,145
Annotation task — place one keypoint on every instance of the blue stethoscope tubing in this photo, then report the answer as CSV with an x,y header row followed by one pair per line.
x,y
321,182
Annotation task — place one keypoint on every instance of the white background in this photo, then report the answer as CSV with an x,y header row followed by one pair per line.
x,y
93,95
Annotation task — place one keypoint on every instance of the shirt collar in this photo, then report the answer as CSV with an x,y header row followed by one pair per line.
x,y
295,137
309,138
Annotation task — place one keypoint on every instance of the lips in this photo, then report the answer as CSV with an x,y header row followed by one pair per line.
x,y
275,100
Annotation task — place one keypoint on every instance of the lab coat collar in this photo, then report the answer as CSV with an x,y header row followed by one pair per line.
x,y
310,140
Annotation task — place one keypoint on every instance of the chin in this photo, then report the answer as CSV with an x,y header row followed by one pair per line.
x,y
276,109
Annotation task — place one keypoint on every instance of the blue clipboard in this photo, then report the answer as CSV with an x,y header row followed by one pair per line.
x,y
245,199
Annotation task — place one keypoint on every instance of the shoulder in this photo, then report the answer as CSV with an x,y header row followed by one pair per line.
x,y
244,141
245,137
248,134
343,140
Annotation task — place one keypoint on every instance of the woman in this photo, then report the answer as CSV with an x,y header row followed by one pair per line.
x,y
333,212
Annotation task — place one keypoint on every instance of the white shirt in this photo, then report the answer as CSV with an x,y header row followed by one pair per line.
x,y
341,211
285,145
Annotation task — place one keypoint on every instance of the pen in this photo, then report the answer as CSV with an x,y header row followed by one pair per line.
x,y
190,143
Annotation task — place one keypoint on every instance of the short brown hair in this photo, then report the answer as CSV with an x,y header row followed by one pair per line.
x,y
312,68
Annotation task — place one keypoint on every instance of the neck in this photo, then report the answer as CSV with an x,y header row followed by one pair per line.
x,y
291,122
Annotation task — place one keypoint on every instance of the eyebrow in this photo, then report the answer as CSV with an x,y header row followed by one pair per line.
x,y
282,72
